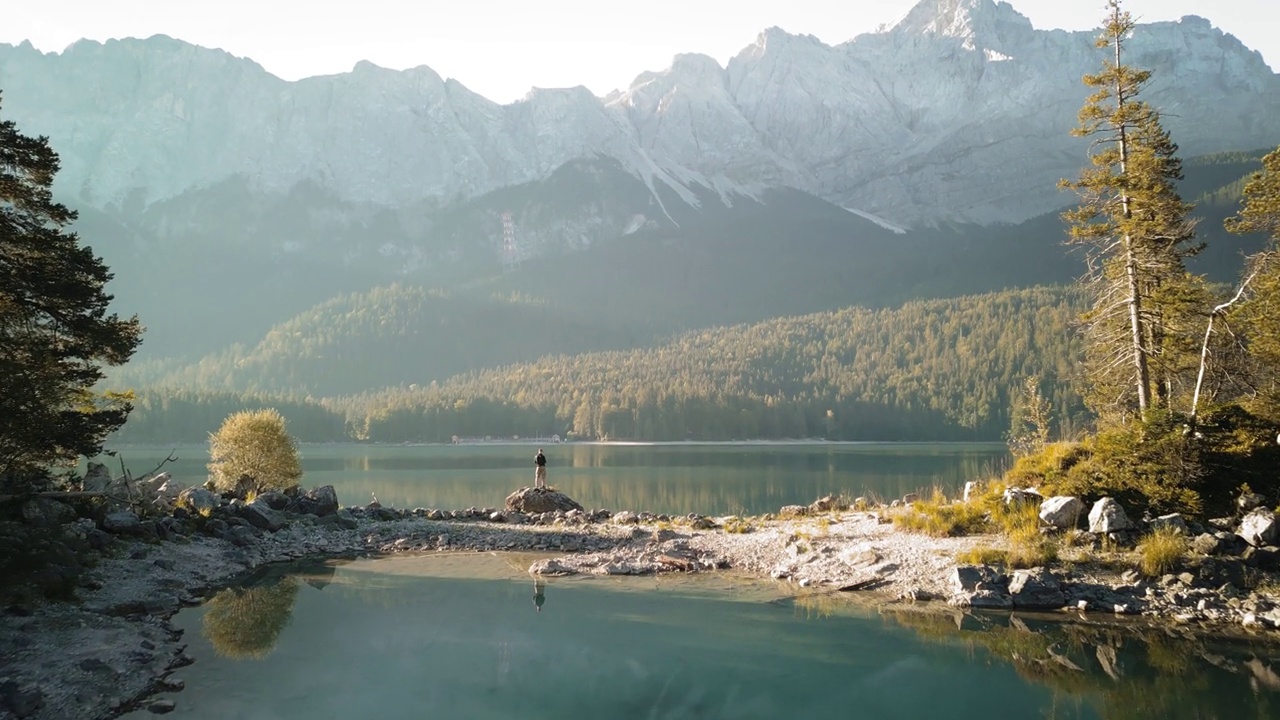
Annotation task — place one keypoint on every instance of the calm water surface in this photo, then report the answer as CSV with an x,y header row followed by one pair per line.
x,y
473,636
668,478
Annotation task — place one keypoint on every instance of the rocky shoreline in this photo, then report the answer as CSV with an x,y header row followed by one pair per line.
x,y
113,648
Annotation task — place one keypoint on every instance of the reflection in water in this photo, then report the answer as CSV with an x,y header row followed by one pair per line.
x,y
1125,672
452,636
244,623
539,592
746,479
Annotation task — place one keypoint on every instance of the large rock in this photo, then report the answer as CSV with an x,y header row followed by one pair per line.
x,y
1022,496
122,522
1260,528
1062,511
47,512
980,586
261,516
540,500
1107,517
321,501
198,500
1172,521
97,478
1036,589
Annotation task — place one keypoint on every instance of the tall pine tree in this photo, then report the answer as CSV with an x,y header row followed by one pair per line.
x,y
55,331
1138,232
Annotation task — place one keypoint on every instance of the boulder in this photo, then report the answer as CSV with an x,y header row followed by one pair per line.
x,y
1036,589
260,515
1108,517
97,478
971,490
537,500
1207,544
1172,521
1260,528
122,522
980,586
625,517
1018,496
825,504
198,501
319,501
274,500
47,512
551,566
1062,511
795,510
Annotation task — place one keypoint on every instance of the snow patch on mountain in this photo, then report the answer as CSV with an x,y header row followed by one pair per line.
x,y
891,227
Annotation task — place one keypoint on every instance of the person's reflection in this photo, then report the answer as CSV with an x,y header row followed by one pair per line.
x,y
539,592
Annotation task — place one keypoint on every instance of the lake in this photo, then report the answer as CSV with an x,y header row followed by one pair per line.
x,y
473,636
674,478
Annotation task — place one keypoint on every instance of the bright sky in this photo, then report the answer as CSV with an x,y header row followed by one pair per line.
x,y
501,48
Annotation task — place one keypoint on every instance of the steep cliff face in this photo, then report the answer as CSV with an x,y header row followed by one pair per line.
x,y
959,112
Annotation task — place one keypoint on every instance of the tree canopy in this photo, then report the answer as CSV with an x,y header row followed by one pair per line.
x,y
55,330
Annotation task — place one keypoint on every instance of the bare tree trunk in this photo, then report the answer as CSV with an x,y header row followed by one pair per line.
x,y
1204,347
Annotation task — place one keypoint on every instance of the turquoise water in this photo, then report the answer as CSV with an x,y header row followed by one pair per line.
x,y
667,478
463,637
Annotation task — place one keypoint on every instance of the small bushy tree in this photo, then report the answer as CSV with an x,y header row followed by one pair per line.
x,y
253,451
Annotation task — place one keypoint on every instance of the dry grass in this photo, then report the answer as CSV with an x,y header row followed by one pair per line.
x,y
939,517
1160,551
738,526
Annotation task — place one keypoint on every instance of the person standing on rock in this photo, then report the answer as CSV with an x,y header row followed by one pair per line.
x,y
540,470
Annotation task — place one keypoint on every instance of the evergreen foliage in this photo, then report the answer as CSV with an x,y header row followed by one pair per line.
x,y
55,331
1138,229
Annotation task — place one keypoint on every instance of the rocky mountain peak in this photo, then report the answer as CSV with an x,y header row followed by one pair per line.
x,y
978,23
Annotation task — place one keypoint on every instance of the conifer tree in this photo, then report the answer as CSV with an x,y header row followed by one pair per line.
x,y
55,331
1136,225
1260,315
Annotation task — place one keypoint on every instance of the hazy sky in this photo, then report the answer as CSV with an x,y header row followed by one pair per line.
x,y
501,48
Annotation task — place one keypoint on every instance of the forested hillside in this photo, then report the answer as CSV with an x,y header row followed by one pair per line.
x,y
940,369
929,370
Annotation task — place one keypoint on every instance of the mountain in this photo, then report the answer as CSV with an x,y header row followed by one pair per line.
x,y
919,161
957,113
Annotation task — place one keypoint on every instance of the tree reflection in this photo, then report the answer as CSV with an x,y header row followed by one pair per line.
x,y
245,623
1126,672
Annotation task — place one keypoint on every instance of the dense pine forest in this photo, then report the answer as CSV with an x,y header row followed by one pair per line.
x,y
929,370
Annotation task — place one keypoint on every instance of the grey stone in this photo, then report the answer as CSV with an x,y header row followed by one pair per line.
x,y
1108,517
967,578
1206,544
240,536
536,500
551,566
1019,496
1173,521
97,478
324,500
160,707
261,516
910,498
1061,511
274,500
1259,528
22,701
47,512
198,501
795,510
1036,589
626,517
122,522
971,489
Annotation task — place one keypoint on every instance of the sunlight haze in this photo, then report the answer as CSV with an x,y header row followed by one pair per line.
x,y
501,49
